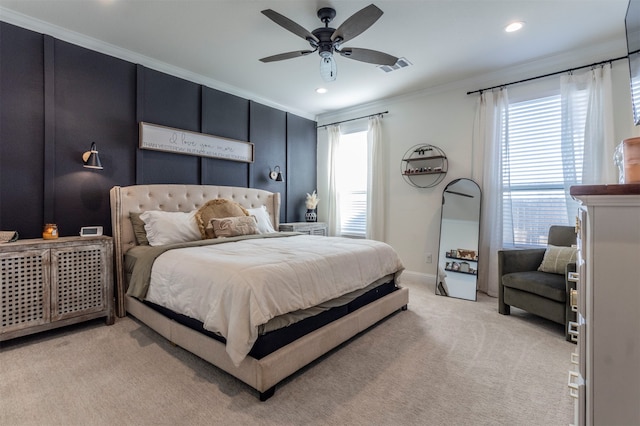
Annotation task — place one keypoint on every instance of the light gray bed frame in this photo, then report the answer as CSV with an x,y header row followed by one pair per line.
x,y
261,374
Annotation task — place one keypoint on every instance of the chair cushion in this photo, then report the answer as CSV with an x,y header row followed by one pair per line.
x,y
556,258
550,286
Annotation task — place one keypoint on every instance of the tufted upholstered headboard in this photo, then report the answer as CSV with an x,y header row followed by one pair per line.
x,y
169,197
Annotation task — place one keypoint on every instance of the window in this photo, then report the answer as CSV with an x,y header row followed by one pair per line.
x,y
351,183
541,158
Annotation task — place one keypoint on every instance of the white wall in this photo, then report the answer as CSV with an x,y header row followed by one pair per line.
x,y
444,117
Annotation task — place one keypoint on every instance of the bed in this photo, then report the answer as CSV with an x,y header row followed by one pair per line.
x,y
287,348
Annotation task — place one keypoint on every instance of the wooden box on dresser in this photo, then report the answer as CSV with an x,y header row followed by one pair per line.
x,y
605,377
51,283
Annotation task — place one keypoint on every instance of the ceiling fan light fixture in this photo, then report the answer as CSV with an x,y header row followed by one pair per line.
x,y
325,54
328,68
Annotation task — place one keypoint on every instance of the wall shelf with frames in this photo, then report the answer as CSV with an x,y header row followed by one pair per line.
x,y
462,261
424,166
448,256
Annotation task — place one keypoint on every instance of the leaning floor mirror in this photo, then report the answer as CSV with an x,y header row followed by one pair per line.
x,y
459,235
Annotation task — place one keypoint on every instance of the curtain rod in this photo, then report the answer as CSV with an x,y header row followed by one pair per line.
x,y
550,74
353,119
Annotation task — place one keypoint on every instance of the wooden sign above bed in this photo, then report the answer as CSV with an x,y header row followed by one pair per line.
x,y
161,138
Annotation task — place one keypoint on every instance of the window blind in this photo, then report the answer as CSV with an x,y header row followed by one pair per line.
x,y
635,93
539,163
354,213
352,184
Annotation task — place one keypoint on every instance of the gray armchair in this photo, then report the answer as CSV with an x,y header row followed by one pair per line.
x,y
540,293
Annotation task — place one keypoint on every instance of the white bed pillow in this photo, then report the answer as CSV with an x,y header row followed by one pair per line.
x,y
170,227
262,217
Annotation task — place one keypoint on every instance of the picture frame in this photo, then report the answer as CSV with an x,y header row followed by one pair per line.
x,y
168,139
467,254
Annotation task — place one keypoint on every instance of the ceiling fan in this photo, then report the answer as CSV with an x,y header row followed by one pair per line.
x,y
326,40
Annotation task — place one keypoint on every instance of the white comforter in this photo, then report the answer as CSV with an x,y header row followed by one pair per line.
x,y
235,287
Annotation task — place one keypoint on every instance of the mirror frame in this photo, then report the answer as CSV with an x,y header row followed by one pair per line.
x,y
468,259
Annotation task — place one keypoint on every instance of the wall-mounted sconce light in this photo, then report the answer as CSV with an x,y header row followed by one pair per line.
x,y
276,174
90,159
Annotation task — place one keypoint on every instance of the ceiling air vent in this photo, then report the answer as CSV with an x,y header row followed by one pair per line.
x,y
400,63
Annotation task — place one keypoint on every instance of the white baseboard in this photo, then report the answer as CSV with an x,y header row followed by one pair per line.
x,y
418,277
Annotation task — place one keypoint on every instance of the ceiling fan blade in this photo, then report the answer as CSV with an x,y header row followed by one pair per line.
x,y
288,24
368,55
287,55
357,23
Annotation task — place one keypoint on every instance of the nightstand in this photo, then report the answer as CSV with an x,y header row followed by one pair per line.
x,y
311,228
51,283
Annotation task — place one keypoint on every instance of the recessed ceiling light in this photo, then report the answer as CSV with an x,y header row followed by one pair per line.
x,y
321,90
514,26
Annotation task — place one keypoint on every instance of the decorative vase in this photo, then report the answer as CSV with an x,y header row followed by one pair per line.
x,y
311,216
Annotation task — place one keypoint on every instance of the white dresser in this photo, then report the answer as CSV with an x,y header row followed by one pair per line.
x,y
605,375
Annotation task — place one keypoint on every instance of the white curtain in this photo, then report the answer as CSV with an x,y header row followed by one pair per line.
x,y
587,107
491,115
333,221
593,90
375,180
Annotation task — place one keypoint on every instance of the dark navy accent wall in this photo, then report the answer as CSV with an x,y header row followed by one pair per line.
x,y
173,102
21,129
301,153
57,98
268,132
94,102
226,116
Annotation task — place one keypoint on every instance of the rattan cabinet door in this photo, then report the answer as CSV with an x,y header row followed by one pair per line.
x,y
78,283
24,285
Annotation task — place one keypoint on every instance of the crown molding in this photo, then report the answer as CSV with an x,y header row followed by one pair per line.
x,y
574,58
11,17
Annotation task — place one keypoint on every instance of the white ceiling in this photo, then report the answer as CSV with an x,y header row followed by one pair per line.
x,y
219,42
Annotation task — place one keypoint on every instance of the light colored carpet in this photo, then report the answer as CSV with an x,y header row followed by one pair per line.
x,y
442,362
